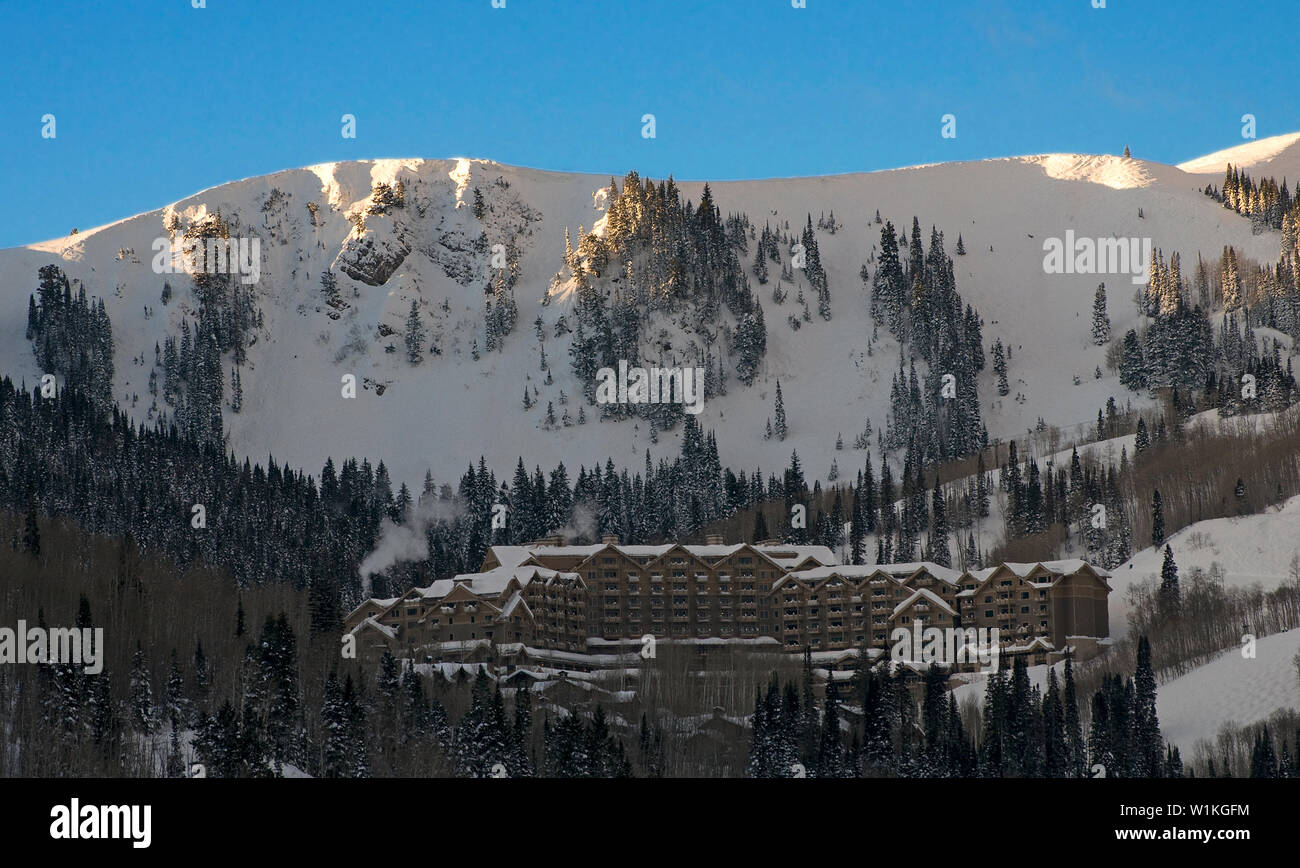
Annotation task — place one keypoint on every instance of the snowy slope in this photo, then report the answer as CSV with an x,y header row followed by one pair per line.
x,y
1230,689
449,410
1276,156
1251,549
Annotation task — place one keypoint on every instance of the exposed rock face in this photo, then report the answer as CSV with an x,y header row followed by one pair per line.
x,y
372,260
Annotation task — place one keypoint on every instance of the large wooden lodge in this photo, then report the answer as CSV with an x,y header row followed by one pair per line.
x,y
572,605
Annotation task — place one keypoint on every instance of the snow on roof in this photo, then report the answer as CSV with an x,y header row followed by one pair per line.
x,y
715,551
642,551
942,573
833,656
516,600
438,589
372,624
374,601
862,571
450,670
566,551
1061,568
798,553
492,582
789,554
928,595
1037,641
512,556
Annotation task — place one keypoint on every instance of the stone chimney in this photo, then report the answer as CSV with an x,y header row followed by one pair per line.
x,y
554,540
609,539
714,539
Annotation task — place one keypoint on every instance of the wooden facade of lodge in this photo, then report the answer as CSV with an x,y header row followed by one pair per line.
x,y
578,603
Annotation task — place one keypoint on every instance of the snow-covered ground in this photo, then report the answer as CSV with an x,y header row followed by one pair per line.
x,y
1230,689
444,413
1252,549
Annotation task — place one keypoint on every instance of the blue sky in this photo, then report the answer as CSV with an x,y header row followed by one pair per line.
x,y
156,100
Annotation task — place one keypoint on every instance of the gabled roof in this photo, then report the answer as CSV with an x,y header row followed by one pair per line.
x,y
947,575
460,594
1024,570
1037,641
782,556
928,596
512,556
900,573
516,601
793,557
493,582
372,624
373,601
675,548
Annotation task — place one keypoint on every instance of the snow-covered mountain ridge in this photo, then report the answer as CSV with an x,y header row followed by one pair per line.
x,y
446,411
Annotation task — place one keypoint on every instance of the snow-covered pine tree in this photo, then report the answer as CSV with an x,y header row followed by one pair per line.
x,y
1000,368
780,428
415,334
1100,319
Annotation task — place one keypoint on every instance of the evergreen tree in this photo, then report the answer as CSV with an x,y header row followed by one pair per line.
x,y
1074,744
141,693
1000,368
780,428
1157,519
1100,320
1169,596
939,552
415,334
1056,748
830,749
1263,760
1132,365
1101,751
1148,745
